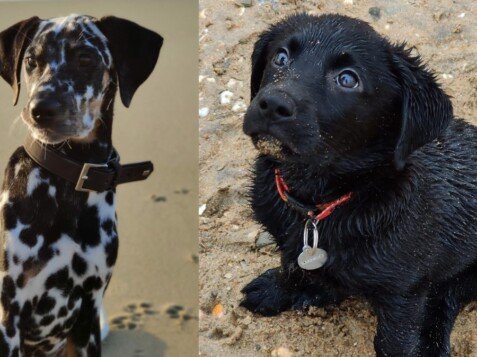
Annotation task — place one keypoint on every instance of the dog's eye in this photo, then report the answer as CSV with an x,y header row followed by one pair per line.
x,y
31,62
347,79
85,59
281,58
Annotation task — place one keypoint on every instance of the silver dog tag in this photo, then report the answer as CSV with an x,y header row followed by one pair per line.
x,y
311,258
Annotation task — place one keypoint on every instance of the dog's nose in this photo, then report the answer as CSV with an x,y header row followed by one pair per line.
x,y
277,106
44,109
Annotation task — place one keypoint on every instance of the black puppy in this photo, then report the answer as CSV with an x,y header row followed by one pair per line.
x,y
357,139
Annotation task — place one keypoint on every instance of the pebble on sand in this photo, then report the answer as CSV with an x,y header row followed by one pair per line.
x,y
239,106
264,239
281,352
232,83
218,310
375,12
244,3
203,112
226,97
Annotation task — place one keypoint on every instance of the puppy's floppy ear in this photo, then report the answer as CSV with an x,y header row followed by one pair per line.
x,y
135,51
426,109
259,61
13,43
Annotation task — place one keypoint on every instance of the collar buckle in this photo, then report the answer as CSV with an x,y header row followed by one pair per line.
x,y
83,177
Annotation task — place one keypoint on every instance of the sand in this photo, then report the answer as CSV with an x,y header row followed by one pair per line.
x,y
442,31
157,263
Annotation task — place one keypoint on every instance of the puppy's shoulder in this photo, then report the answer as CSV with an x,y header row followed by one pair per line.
x,y
451,156
460,129
459,142
18,162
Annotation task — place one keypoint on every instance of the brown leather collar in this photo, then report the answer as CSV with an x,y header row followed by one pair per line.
x,y
87,176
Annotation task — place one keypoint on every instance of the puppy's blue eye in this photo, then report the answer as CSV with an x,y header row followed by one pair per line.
x,y
347,79
281,58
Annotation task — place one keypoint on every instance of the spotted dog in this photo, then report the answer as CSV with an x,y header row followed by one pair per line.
x,y
60,245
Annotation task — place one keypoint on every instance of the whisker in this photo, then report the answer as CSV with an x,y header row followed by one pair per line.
x,y
80,35
109,104
13,125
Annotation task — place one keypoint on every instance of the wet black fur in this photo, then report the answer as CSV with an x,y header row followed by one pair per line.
x,y
407,240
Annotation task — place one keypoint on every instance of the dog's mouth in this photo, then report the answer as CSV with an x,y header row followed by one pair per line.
x,y
269,145
47,136
58,133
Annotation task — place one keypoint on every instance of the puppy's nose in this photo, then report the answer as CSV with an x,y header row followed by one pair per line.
x,y
43,110
277,107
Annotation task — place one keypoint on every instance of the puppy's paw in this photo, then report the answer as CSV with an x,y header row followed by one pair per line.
x,y
265,296
304,300
316,295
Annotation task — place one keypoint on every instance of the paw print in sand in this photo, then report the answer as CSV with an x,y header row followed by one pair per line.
x,y
177,312
134,316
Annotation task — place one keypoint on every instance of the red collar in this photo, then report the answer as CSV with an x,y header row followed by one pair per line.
x,y
324,209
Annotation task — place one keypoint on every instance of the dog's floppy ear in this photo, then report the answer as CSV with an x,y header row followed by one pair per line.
x,y
135,51
426,109
13,43
259,61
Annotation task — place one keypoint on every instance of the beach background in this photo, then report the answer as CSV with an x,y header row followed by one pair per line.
x,y
152,299
233,248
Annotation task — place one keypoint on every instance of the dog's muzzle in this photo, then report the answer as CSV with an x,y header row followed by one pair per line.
x,y
267,109
44,111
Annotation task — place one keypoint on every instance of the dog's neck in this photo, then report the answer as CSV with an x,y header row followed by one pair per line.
x,y
99,149
314,185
